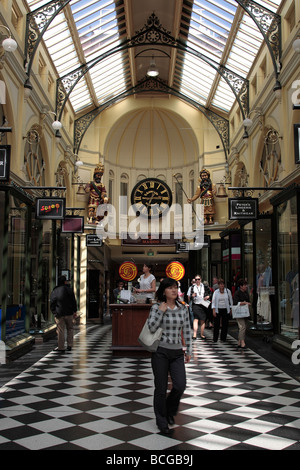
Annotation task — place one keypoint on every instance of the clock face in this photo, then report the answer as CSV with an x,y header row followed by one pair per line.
x,y
151,197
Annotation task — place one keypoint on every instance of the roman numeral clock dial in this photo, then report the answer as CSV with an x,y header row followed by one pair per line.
x,y
151,197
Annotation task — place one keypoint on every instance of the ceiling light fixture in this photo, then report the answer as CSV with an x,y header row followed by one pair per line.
x,y
8,44
152,70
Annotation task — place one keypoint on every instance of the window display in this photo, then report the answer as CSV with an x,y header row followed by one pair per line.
x,y
288,273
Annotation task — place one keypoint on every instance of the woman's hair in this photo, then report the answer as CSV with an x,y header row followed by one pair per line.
x,y
149,266
168,282
221,281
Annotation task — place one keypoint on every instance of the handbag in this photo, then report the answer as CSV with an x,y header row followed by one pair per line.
x,y
240,311
150,340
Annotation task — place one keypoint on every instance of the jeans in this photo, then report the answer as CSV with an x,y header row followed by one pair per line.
x,y
224,316
165,361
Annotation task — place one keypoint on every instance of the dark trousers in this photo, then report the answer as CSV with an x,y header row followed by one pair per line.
x,y
223,317
165,361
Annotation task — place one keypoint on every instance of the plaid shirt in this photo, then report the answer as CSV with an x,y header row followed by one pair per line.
x,y
173,322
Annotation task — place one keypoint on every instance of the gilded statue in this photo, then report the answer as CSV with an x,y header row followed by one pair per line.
x,y
205,191
97,194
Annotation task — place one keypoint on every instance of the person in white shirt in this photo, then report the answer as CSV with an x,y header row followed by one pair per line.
x,y
221,307
147,282
199,313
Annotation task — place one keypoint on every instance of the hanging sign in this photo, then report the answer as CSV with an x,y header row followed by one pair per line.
x,y
128,271
93,240
297,142
4,162
72,224
243,208
175,270
49,208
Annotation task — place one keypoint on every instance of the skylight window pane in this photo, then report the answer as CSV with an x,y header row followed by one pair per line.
x,y
224,97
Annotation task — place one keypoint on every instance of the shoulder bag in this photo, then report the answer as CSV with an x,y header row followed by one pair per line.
x,y
149,340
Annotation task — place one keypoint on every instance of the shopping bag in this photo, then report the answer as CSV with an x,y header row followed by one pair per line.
x,y
240,311
149,340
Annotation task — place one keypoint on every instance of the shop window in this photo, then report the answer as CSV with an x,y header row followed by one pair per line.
x,y
288,270
248,259
264,277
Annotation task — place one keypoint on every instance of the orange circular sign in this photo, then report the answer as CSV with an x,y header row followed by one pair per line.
x,y
128,271
175,270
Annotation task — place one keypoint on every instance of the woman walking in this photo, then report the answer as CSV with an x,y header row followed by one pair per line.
x,y
241,297
221,306
199,311
173,318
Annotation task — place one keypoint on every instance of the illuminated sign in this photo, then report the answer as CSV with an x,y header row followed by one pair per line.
x,y
50,208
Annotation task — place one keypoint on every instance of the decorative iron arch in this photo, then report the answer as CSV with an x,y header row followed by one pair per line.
x,y
150,32
152,84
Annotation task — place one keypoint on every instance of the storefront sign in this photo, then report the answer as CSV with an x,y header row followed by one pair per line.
x,y
146,240
72,224
4,162
128,271
175,270
243,208
297,142
50,208
93,240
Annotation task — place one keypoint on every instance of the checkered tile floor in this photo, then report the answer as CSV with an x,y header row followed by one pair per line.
x,y
88,399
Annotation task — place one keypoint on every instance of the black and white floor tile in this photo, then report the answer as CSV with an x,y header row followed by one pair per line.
x,y
87,399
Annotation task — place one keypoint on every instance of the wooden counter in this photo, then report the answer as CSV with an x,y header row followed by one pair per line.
x,y
127,323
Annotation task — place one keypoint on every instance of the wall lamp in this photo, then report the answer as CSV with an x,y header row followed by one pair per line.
x,y
8,44
27,89
248,122
296,45
78,162
277,90
55,124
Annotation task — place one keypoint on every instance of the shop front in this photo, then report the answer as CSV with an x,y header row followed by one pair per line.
x,y
286,210
15,219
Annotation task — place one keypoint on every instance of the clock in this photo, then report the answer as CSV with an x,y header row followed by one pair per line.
x,y
151,197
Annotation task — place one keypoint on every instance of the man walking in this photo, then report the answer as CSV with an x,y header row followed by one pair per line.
x,y
63,306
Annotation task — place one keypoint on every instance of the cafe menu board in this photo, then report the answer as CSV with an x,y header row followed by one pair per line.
x,y
243,208
50,208
4,162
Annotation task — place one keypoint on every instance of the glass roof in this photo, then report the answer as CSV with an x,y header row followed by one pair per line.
x,y
209,27
88,29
